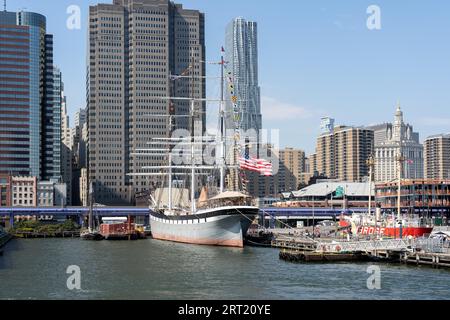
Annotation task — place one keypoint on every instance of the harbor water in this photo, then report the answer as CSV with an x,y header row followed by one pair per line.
x,y
150,269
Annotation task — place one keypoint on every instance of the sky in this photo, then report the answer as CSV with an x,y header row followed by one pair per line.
x,y
316,58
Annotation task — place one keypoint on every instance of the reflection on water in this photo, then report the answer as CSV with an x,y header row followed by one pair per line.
x,y
149,269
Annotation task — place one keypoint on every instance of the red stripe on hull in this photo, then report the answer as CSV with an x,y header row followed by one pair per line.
x,y
406,232
415,232
237,243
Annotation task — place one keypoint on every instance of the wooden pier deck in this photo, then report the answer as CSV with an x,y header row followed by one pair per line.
x,y
307,256
436,260
426,252
294,244
32,235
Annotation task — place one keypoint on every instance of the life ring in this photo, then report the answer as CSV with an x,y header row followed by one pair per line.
x,y
338,249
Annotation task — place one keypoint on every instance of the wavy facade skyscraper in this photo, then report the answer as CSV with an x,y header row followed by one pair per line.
x,y
241,51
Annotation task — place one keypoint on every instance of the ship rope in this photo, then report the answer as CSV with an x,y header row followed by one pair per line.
x,y
266,229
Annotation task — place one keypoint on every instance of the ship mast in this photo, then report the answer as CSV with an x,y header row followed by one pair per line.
x,y
222,126
192,138
91,204
370,163
400,160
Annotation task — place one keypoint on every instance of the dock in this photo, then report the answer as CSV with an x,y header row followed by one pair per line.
x,y
436,260
44,235
294,244
305,256
427,252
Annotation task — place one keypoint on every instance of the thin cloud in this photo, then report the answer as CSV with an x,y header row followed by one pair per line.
x,y
273,109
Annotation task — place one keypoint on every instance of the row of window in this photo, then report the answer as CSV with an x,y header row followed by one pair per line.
x,y
146,18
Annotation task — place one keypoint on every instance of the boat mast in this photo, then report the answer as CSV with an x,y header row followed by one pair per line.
x,y
91,200
192,111
400,160
169,146
222,126
370,163
170,181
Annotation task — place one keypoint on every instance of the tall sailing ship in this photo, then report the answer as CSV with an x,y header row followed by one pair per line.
x,y
220,220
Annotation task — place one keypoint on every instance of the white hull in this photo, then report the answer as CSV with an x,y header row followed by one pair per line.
x,y
225,226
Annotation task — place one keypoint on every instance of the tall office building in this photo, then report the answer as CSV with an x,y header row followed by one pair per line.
x,y
134,45
51,120
326,125
66,149
437,157
291,169
80,118
244,113
392,139
79,156
241,51
78,145
343,152
29,98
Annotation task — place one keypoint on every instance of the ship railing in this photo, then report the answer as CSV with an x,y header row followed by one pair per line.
x,y
431,245
367,246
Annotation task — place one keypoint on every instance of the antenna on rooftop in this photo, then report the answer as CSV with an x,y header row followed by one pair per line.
x,y
4,5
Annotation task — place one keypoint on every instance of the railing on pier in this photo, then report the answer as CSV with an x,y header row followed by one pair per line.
x,y
292,243
434,245
367,246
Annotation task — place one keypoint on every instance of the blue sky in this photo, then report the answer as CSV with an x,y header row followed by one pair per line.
x,y
316,58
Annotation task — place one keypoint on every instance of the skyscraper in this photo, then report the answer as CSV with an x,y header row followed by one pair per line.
x,y
134,45
342,153
51,120
291,169
437,157
78,152
243,107
241,50
29,98
78,144
392,139
66,149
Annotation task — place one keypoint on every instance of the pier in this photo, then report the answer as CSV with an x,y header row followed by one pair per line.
x,y
436,260
295,244
428,252
33,235
305,256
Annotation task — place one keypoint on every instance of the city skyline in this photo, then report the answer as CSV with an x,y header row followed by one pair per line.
x,y
303,78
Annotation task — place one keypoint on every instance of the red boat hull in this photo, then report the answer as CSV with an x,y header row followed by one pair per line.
x,y
415,232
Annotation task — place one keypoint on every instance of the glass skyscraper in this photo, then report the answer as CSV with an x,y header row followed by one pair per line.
x,y
26,97
241,51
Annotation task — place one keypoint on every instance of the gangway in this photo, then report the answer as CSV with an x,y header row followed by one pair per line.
x,y
368,246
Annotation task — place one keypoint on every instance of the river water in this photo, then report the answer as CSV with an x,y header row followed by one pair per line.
x,y
150,269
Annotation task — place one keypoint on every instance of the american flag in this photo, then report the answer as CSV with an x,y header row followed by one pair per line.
x,y
261,166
